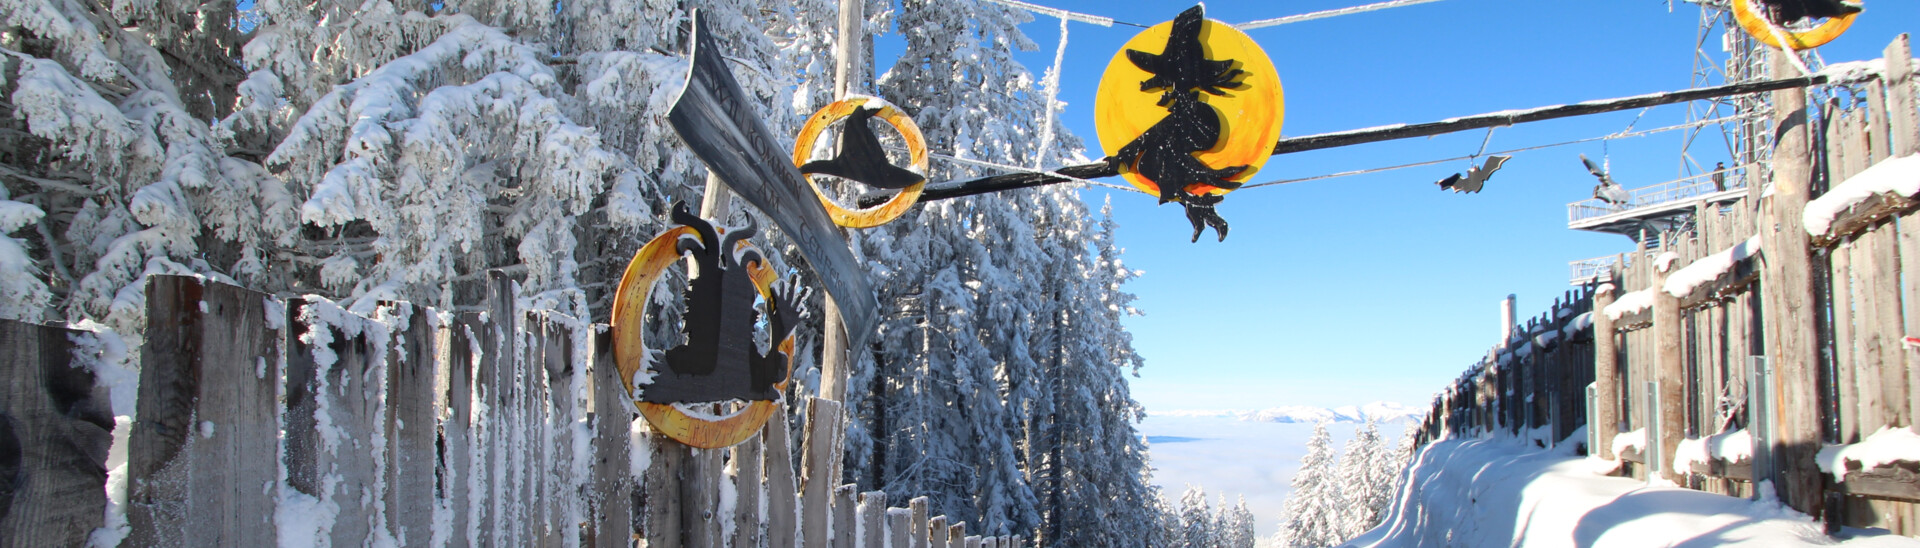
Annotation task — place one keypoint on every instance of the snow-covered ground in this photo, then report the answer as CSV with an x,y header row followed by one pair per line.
x,y
1501,492
1240,453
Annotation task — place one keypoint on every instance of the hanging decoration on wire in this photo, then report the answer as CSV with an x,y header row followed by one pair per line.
x,y
719,362
1607,191
1795,24
1193,121
860,158
1476,176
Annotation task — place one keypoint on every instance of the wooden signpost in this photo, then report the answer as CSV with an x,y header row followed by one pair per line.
x,y
717,121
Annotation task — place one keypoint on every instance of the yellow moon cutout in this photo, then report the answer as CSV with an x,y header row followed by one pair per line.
x,y
1757,26
916,151
630,349
1250,117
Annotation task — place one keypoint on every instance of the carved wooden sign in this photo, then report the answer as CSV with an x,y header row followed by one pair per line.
x,y
1189,110
717,121
860,158
719,362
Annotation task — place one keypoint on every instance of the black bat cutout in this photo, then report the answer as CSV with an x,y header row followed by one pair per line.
x,y
1164,153
718,323
1786,12
861,158
1476,177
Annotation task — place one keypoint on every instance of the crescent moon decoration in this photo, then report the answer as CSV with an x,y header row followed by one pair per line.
x,y
719,362
1193,121
860,158
1758,23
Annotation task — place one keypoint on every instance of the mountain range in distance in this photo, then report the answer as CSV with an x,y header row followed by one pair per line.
x,y
1381,411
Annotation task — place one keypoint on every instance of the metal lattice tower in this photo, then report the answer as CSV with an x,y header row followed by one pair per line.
x,y
1747,136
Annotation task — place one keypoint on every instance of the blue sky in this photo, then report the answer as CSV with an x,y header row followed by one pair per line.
x,y
1380,286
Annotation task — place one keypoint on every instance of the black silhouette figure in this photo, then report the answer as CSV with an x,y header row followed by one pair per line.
x,y
1476,177
719,360
1786,12
860,157
1164,153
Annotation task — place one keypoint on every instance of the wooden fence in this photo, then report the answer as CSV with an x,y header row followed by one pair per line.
x,y
1765,342
263,422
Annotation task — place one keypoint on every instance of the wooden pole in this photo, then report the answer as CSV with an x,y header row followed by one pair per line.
x,y
1787,285
1606,383
410,427
612,485
1902,131
780,489
1670,368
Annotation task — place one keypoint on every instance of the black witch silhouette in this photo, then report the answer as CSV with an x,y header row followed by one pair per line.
x,y
1164,153
860,157
719,360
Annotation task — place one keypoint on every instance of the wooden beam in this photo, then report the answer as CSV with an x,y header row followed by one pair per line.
x,y
1010,181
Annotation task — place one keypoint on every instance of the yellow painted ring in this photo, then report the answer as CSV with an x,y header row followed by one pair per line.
x,y
1757,26
1250,118
916,150
630,348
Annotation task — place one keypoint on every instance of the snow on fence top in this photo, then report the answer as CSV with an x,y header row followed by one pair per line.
x,y
1899,176
1632,302
1711,267
1889,445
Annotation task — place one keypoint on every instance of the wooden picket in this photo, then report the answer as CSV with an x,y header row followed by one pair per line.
x,y
391,419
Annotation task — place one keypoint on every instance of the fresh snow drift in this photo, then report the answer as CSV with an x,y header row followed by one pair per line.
x,y
1503,492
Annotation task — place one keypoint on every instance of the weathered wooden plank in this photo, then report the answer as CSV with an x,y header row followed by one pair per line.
x,y
746,465
781,495
1870,412
459,474
957,535
918,528
410,425
1888,327
335,352
844,516
564,511
491,425
55,429
1788,286
700,498
937,532
207,413
972,541
873,524
662,486
1898,481
1845,345
816,486
613,486
899,527
1904,124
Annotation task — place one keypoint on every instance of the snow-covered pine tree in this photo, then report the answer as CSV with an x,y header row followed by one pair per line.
x,y
1235,527
1313,509
1366,491
1197,521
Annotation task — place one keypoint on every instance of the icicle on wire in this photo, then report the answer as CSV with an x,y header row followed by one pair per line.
x,y
1064,15
1263,23
1053,94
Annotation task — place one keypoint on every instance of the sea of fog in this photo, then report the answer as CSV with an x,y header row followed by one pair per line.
x,y
1235,458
